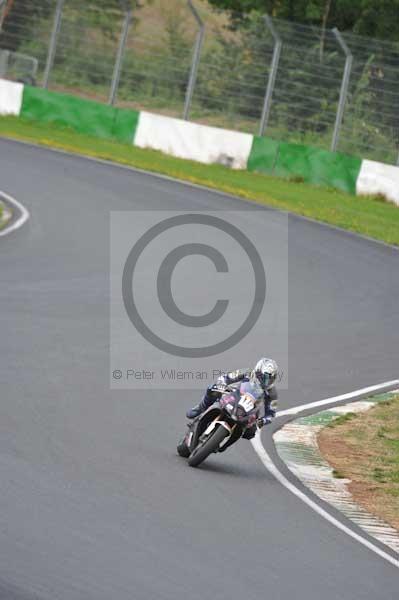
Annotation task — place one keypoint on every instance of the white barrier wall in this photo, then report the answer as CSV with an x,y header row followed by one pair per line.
x,y
378,178
209,145
10,97
192,141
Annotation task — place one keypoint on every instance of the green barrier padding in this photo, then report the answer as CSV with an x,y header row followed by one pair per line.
x,y
320,167
125,125
85,116
82,115
268,156
263,155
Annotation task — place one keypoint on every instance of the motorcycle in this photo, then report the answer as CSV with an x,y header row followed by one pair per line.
x,y
221,425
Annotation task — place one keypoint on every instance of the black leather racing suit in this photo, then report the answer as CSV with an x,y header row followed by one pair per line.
x,y
270,395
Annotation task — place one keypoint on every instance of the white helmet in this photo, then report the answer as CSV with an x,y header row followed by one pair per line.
x,y
265,372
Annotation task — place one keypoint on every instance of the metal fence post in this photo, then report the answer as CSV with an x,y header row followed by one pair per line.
x,y
119,57
344,88
4,58
53,42
267,104
195,61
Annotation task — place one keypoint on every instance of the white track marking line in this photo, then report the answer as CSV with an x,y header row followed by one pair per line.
x,y
367,390
271,467
20,221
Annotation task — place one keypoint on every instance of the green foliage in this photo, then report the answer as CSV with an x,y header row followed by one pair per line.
x,y
374,18
234,66
13,27
341,420
158,73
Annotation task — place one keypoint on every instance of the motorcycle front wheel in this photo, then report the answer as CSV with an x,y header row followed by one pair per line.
x,y
182,449
204,449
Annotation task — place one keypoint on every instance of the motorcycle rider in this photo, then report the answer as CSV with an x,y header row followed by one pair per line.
x,y
264,373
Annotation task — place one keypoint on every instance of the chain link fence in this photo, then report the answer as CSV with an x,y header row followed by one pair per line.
x,y
271,77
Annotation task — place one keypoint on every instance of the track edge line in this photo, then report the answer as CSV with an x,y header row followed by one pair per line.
x,y
281,478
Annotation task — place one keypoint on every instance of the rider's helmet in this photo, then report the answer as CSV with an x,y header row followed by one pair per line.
x,y
265,372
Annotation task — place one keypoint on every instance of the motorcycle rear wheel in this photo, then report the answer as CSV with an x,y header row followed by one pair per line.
x,y
203,450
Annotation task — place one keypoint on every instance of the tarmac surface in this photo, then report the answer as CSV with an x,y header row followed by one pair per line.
x,y
94,502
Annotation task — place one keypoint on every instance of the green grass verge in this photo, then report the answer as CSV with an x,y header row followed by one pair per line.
x,y
364,448
341,420
378,431
365,215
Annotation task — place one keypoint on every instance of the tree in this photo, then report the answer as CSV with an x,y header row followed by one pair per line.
x,y
5,7
374,18
303,11
13,29
324,22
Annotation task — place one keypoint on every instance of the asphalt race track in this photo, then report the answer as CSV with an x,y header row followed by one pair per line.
x,y
94,502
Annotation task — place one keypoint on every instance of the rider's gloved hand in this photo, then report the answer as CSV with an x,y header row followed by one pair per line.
x,y
220,385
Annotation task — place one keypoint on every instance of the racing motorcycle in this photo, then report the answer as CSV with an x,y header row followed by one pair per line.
x,y
223,423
